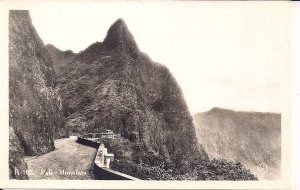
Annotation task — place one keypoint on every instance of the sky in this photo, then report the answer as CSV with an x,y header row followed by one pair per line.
x,y
229,54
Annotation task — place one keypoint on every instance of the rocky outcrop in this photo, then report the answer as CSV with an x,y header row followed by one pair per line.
x,y
118,36
113,85
17,165
34,104
252,138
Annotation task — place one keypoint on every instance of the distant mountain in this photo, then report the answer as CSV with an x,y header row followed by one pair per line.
x,y
252,138
113,85
35,114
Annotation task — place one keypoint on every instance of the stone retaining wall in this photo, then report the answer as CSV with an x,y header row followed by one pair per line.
x,y
101,173
88,142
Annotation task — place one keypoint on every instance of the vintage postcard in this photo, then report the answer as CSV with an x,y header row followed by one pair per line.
x,y
136,94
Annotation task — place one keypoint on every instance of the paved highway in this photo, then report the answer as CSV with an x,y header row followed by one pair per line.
x,y
70,160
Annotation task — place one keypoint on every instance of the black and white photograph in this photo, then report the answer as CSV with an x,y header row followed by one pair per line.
x,y
135,91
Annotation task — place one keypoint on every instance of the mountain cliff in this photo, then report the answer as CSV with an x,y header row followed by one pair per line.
x,y
113,85
252,138
109,85
35,115
17,163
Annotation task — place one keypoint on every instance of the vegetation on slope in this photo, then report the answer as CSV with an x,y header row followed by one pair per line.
x,y
17,165
34,104
112,85
109,85
137,161
252,138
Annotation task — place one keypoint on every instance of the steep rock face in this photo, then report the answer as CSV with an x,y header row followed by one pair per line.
x,y
34,105
112,85
118,35
17,165
252,138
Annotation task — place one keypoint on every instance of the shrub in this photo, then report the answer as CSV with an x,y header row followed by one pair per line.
x,y
157,169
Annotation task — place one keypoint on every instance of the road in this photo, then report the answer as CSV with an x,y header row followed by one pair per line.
x,y
69,160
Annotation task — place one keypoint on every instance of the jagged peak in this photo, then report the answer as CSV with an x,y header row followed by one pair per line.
x,y
23,15
54,48
51,46
95,45
119,34
120,23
